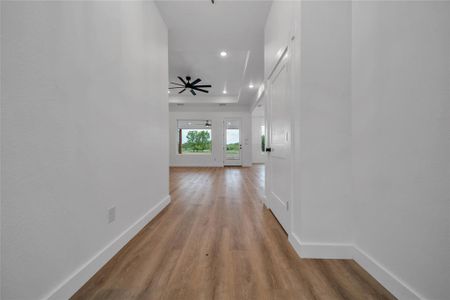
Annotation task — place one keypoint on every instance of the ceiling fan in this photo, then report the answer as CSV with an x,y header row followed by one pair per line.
x,y
187,84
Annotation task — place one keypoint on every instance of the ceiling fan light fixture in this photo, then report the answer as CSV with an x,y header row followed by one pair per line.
x,y
251,85
224,92
192,87
223,53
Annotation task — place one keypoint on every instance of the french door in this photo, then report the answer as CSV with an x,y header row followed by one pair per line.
x,y
232,150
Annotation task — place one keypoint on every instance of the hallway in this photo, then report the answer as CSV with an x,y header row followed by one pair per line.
x,y
217,241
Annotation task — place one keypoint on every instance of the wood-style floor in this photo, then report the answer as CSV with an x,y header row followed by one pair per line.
x,y
217,241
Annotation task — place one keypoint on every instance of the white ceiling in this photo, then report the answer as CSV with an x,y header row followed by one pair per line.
x,y
199,31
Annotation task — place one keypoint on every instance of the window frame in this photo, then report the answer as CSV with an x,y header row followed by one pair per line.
x,y
179,149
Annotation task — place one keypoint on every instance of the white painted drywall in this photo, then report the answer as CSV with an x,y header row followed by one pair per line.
x,y
371,134
84,128
400,139
322,129
215,159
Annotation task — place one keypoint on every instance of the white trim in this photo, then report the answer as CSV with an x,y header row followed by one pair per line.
x,y
78,278
347,251
393,284
321,250
196,166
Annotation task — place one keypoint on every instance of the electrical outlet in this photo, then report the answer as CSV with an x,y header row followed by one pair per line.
x,y
111,214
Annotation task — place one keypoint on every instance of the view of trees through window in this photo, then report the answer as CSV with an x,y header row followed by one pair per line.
x,y
233,145
194,141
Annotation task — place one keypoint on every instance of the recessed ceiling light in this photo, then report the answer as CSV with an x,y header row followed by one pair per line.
x,y
224,91
251,85
168,92
223,53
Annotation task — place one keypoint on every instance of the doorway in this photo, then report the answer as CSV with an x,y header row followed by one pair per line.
x,y
279,133
232,149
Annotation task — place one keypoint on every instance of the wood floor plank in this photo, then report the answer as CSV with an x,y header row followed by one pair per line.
x,y
216,240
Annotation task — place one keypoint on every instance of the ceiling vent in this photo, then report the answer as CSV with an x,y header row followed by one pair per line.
x,y
180,104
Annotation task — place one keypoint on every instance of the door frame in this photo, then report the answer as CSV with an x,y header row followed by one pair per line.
x,y
224,138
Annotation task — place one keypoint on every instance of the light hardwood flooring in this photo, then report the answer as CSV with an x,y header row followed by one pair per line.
x,y
216,240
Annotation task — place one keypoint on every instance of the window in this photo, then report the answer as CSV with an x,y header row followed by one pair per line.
x,y
194,137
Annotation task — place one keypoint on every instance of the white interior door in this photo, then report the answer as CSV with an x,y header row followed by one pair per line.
x,y
232,150
279,166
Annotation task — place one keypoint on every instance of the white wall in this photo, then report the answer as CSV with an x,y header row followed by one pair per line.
x,y
216,158
400,140
258,120
320,71
372,150
84,128
322,154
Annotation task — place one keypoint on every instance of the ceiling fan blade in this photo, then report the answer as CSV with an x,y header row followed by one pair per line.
x,y
201,90
204,86
193,93
182,80
196,81
176,87
181,91
176,83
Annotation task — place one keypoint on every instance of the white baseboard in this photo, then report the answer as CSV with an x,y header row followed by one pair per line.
x,y
347,251
393,284
321,250
197,166
78,278
264,201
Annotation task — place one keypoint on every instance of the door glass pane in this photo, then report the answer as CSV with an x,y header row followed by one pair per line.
x,y
233,146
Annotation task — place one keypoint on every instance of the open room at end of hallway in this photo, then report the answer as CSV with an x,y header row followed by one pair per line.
x,y
219,154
